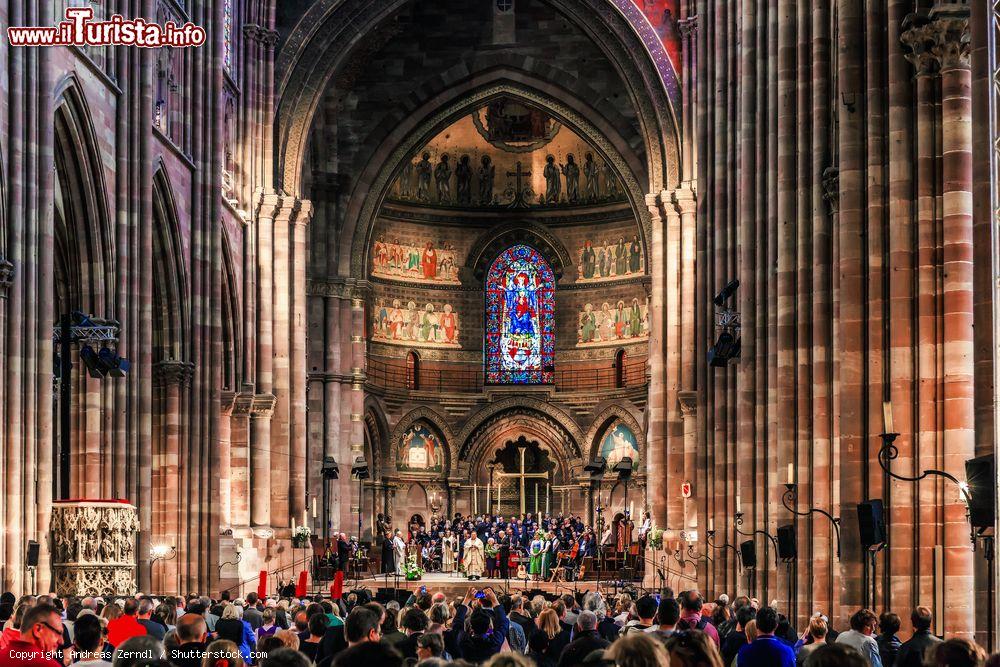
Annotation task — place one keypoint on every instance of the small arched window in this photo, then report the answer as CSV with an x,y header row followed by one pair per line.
x,y
412,371
620,369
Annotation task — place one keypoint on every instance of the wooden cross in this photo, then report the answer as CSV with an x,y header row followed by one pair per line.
x,y
524,476
519,175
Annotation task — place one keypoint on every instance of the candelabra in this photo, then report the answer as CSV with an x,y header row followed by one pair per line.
x,y
738,521
160,552
889,452
788,500
710,535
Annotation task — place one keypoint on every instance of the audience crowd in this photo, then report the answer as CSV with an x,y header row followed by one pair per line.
x,y
481,628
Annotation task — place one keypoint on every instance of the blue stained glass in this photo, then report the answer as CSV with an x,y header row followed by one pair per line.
x,y
520,318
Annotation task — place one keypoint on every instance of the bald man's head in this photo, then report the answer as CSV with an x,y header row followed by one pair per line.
x,y
191,628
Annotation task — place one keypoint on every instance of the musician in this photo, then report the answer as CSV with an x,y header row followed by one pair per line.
x,y
504,554
343,552
552,552
537,553
329,557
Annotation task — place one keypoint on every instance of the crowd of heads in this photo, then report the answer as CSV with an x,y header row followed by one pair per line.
x,y
429,629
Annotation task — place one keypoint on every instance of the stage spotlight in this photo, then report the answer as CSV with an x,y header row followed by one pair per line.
x,y
360,468
727,292
726,347
330,468
597,466
624,468
92,361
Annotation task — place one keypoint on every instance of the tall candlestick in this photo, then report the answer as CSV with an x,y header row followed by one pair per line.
x,y
293,525
314,507
488,503
475,497
547,494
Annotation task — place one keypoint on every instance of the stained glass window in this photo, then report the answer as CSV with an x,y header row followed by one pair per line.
x,y
227,34
520,318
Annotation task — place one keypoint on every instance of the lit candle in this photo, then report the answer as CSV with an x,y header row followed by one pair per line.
x,y
314,507
738,509
293,524
305,518
711,523
791,470
887,416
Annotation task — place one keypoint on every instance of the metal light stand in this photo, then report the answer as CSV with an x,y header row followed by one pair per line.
x,y
788,500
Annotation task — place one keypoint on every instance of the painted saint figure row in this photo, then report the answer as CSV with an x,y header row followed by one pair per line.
x,y
600,182
394,324
622,323
610,260
571,171
463,171
413,262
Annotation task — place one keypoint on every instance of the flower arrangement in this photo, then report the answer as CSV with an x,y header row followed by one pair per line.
x,y
492,550
301,536
413,571
656,538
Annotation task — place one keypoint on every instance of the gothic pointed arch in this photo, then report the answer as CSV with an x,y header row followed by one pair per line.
x,y
346,33
84,240
171,315
489,246
232,320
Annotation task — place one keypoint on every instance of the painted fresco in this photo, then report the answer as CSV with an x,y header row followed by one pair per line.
x,y
420,451
433,325
610,260
622,322
618,443
426,263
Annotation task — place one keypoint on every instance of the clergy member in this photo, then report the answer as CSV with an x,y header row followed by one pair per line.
x,y
474,557
399,552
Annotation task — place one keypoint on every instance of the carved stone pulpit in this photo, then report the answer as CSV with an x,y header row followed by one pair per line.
x,y
93,547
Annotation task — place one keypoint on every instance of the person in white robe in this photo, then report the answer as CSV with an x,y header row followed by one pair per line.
x,y
399,552
475,560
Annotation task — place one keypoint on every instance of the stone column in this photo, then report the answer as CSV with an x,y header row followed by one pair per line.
x,y
172,377
239,464
656,444
357,399
281,304
227,401
260,435
298,426
951,49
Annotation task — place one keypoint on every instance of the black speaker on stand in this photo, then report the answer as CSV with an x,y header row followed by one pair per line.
x,y
786,542
31,560
748,554
980,475
871,530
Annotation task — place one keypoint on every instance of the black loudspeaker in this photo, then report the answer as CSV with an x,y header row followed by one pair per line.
x,y
32,554
786,542
365,595
980,474
748,554
871,523
384,595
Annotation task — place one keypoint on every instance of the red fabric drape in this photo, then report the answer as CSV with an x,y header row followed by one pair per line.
x,y
300,588
337,587
262,585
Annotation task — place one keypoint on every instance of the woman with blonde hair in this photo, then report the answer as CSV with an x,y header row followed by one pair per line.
x,y
638,650
548,622
222,652
549,626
